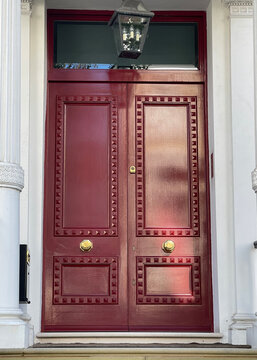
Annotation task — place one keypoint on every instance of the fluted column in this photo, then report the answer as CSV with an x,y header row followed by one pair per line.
x,y
12,328
243,145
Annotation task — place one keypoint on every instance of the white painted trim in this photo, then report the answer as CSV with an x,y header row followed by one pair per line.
x,y
242,327
37,113
241,11
243,144
240,8
238,2
220,144
25,123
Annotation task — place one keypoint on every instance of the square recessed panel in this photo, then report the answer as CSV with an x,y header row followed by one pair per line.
x,y
85,280
168,280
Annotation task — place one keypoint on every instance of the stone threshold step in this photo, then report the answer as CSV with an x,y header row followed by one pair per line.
x,y
129,354
139,346
127,337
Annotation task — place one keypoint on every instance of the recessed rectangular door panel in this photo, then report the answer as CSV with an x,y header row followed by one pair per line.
x,y
158,280
87,128
85,199
168,201
166,206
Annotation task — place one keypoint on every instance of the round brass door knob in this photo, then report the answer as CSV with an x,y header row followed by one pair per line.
x,y
86,245
168,246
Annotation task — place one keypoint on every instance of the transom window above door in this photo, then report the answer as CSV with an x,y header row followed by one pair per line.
x,y
81,47
90,45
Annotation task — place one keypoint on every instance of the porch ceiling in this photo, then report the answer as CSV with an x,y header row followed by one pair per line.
x,y
113,4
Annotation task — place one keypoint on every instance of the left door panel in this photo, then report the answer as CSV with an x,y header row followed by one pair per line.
x,y
85,198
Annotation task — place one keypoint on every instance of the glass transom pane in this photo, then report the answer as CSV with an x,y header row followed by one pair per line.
x,y
90,45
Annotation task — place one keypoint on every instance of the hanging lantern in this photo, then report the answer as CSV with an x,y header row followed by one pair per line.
x,y
130,25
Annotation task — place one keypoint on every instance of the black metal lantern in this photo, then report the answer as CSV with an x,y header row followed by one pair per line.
x,y
130,25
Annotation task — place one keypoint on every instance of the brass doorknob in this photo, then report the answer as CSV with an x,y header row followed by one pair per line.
x,y
132,169
168,246
86,245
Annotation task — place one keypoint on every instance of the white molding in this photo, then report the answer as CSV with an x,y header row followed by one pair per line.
x,y
241,11
240,327
240,8
15,312
238,2
11,176
26,7
246,319
254,180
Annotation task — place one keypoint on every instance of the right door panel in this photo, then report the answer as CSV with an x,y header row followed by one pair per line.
x,y
168,201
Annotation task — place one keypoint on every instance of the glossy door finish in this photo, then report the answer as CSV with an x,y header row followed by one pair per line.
x,y
168,200
85,198
96,134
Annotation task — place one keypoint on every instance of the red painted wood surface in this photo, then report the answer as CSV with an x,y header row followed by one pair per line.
x,y
168,200
89,137
85,198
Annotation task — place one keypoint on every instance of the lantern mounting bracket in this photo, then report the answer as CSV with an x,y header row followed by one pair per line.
x,y
131,7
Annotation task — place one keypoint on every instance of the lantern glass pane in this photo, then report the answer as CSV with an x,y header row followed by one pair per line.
x,y
132,35
91,45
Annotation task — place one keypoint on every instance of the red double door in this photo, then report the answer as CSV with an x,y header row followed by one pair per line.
x,y
95,132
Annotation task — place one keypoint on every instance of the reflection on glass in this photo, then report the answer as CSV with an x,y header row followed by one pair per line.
x,y
79,66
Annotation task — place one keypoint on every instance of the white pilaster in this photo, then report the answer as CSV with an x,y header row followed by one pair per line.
x,y
26,11
220,143
13,330
243,143
254,173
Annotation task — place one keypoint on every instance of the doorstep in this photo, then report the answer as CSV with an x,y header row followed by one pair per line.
x,y
102,353
127,338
